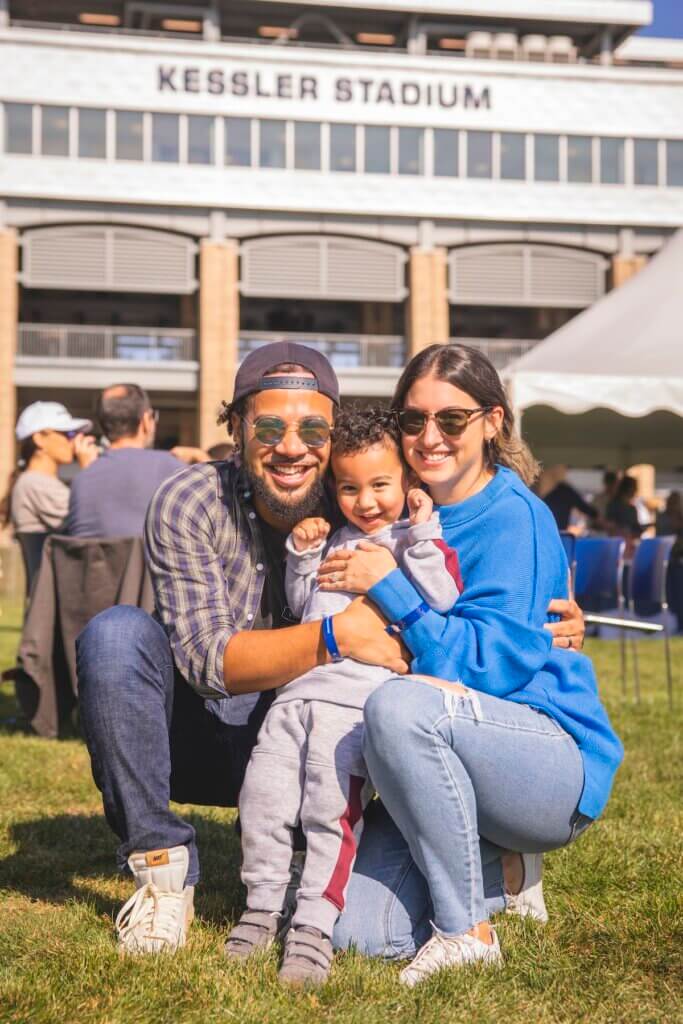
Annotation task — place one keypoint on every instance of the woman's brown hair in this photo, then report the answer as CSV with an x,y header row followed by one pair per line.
x,y
27,450
469,370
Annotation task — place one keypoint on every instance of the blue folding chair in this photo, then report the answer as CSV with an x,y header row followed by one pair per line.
x,y
598,583
599,572
569,545
647,595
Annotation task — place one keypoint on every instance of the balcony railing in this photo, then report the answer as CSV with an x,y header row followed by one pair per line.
x,y
501,351
345,351
136,344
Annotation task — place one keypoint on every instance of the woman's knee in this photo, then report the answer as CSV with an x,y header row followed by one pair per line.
x,y
391,715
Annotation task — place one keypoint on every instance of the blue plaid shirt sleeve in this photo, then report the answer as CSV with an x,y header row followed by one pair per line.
x,y
191,589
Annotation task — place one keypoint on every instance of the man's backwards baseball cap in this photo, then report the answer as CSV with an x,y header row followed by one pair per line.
x,y
252,374
47,416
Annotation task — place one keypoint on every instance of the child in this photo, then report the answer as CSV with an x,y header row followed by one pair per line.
x,y
307,765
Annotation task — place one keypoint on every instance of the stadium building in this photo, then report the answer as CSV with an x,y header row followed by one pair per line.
x,y
182,182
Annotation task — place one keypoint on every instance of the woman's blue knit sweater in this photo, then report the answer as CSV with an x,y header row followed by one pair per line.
x,y
512,564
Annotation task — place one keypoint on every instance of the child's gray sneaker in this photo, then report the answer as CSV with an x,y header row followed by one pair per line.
x,y
255,931
307,959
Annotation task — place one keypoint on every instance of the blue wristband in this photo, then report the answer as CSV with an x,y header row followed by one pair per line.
x,y
330,641
409,619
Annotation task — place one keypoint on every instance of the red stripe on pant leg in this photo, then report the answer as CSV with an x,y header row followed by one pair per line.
x,y
452,563
347,851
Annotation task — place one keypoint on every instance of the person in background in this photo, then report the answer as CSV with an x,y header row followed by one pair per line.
x,y
670,521
111,498
610,482
622,513
561,498
49,437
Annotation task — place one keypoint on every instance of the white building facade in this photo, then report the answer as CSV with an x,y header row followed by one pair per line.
x,y
180,183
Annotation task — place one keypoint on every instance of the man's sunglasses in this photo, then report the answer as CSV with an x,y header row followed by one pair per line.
x,y
451,422
313,431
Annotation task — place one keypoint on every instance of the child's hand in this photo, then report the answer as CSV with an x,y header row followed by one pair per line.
x,y
420,506
309,533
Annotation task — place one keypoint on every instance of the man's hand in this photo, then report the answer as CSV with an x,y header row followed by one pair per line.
x,y
420,506
189,455
309,533
570,631
356,571
360,633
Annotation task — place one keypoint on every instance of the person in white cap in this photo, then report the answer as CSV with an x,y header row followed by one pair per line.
x,y
49,437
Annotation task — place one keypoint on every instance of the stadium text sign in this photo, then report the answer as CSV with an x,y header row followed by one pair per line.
x,y
341,89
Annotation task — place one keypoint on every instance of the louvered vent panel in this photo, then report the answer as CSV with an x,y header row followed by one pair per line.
x,y
525,275
488,275
565,279
283,267
108,259
65,258
308,267
152,262
364,270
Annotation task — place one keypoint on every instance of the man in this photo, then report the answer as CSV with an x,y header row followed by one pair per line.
x,y
110,498
171,708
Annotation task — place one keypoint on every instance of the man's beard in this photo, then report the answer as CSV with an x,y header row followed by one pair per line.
x,y
289,512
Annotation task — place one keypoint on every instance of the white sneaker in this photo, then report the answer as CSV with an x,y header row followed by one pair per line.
x,y
449,951
156,918
529,902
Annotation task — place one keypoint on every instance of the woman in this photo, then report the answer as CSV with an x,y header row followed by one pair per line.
x,y
517,751
49,437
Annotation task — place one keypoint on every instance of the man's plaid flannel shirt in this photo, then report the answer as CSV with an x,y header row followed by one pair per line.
x,y
208,565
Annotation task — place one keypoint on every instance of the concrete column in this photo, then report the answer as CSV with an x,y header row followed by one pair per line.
x,y
9,315
626,267
218,333
428,299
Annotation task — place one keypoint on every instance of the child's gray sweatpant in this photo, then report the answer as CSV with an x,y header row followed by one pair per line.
x,y
306,767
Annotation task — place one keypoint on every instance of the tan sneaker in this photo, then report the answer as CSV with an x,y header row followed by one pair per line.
x,y
157,916
443,951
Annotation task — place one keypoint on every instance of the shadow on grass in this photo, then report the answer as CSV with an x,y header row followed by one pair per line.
x,y
52,852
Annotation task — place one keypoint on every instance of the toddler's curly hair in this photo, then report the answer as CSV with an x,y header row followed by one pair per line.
x,y
358,427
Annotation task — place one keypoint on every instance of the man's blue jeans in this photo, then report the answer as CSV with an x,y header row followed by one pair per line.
x,y
150,736
464,778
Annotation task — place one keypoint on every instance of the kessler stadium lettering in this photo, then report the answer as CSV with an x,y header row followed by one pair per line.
x,y
346,89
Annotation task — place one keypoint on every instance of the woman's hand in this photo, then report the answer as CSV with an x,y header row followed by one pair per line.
x,y
85,449
570,631
356,571
360,634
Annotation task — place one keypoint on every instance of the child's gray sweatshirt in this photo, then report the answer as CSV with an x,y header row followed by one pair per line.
x,y
423,555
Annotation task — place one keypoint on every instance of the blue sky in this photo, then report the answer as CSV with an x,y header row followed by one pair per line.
x,y
668,20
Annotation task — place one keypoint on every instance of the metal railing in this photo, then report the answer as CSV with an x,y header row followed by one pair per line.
x,y
343,350
137,344
501,351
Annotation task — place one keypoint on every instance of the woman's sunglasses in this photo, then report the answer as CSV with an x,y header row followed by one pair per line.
x,y
313,431
451,422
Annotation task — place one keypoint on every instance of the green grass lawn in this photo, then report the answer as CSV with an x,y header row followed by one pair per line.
x,y
611,952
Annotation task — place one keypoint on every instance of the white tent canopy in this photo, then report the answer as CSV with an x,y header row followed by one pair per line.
x,y
624,354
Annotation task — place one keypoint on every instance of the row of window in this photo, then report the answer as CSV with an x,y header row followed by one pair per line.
x,y
311,145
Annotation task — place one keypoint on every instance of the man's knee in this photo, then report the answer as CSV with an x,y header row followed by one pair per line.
x,y
116,640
